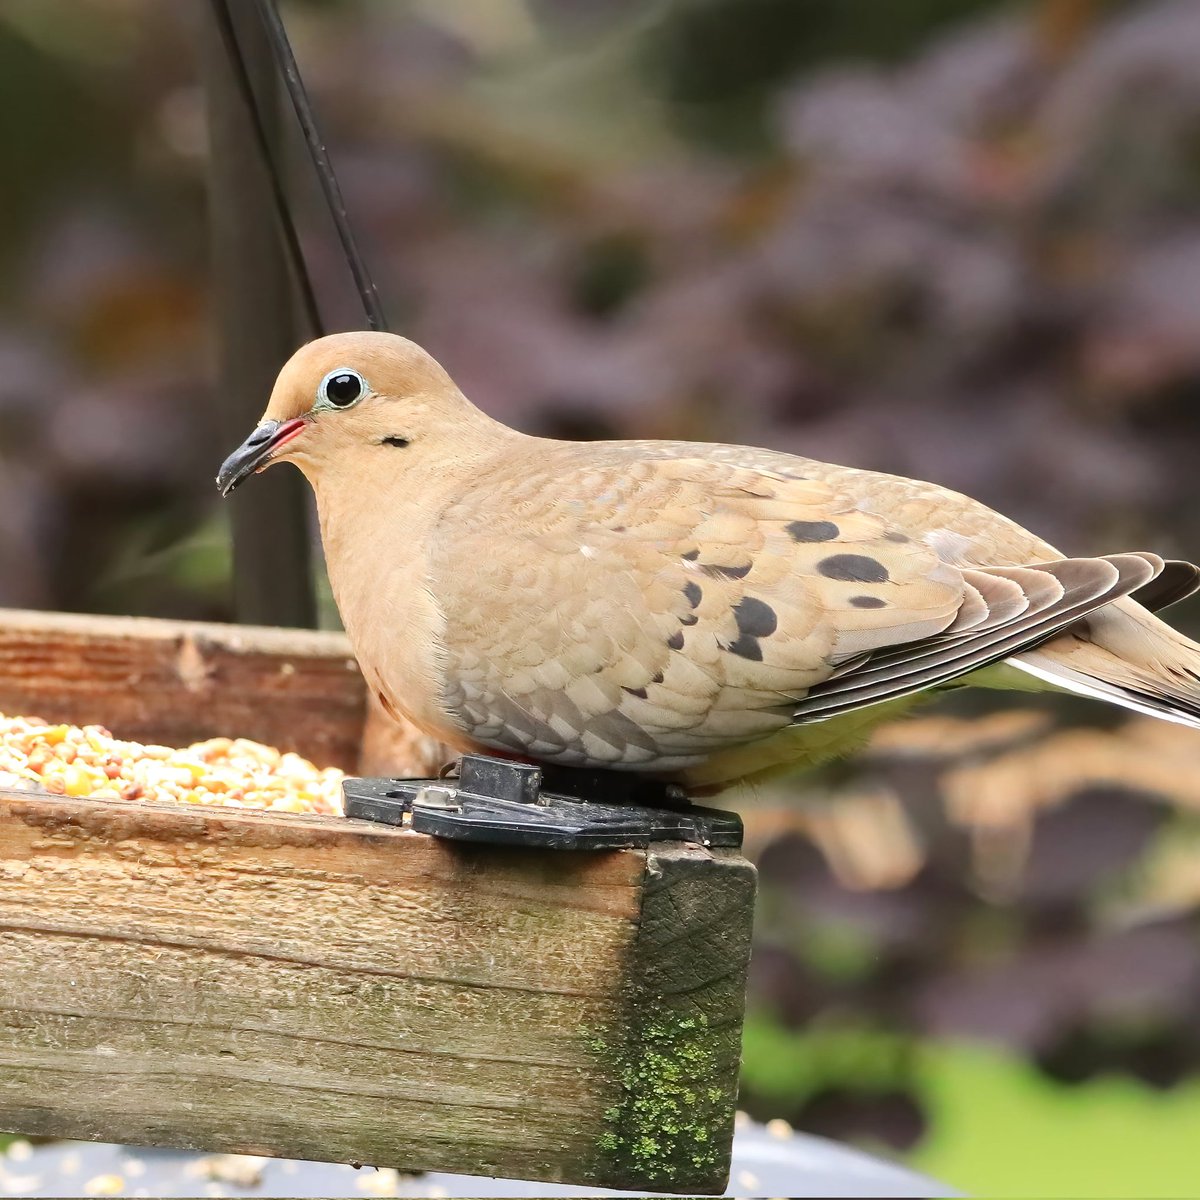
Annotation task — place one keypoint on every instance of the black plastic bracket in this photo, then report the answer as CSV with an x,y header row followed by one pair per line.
x,y
500,802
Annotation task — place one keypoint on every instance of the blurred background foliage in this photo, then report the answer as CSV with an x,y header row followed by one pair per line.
x,y
953,239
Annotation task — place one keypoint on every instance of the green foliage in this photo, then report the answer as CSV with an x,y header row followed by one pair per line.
x,y
996,1125
1000,1128
781,1064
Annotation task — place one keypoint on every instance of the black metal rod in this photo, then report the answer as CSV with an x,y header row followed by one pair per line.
x,y
257,321
286,62
287,226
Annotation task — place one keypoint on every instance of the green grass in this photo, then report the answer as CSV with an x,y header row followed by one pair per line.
x,y
997,1126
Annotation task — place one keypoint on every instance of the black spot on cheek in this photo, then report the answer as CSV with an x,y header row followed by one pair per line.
x,y
693,593
867,602
853,568
755,618
640,693
675,641
812,531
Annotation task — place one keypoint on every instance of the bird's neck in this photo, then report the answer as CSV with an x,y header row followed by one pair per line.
x,y
377,522
377,511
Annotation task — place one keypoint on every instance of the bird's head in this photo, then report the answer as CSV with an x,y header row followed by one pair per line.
x,y
348,395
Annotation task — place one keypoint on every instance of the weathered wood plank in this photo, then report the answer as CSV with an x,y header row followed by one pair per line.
x,y
329,989
175,682
685,1000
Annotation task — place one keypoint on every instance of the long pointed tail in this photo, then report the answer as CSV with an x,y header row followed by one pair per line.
x,y
1127,656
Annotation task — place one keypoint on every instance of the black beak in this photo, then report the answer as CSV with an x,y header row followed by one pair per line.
x,y
254,453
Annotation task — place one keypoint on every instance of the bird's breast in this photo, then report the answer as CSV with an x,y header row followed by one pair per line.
x,y
379,575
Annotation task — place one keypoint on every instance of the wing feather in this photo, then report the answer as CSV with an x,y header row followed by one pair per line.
x,y
609,606
1083,585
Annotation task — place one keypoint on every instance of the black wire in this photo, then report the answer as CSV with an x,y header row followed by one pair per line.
x,y
287,226
286,61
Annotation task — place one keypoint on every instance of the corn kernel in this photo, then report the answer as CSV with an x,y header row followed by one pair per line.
x,y
89,761
78,781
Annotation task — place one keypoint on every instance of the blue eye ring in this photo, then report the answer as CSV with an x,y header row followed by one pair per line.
x,y
343,387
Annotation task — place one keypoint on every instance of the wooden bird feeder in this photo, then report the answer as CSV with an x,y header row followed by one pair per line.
x,y
323,988
326,988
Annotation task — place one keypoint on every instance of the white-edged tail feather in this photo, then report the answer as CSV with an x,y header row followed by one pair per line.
x,y
1125,655
1098,689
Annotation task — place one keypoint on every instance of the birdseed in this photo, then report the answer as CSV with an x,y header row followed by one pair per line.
x,y
73,760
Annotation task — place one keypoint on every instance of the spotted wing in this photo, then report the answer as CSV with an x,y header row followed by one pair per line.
x,y
1006,610
641,612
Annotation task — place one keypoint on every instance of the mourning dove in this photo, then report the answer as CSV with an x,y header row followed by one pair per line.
x,y
705,613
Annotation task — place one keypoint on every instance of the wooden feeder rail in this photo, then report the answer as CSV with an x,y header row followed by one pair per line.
x,y
330,989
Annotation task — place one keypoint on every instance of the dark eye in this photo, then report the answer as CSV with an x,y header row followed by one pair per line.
x,y
342,388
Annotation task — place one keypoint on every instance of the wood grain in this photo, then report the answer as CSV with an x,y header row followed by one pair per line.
x,y
230,980
305,987
321,988
685,997
175,682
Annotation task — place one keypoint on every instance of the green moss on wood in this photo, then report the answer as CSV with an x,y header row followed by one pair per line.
x,y
672,1119
674,1048
673,1122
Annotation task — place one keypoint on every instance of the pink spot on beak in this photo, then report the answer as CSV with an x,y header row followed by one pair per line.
x,y
286,433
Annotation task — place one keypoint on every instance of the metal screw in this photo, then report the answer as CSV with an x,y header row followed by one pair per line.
x,y
442,798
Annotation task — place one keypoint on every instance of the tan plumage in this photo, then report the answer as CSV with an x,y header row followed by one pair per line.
x,y
707,612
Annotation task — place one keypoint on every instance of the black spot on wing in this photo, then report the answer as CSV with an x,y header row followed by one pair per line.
x,y
693,593
755,618
894,536
675,641
691,555
853,568
714,571
867,602
640,693
812,531
746,647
